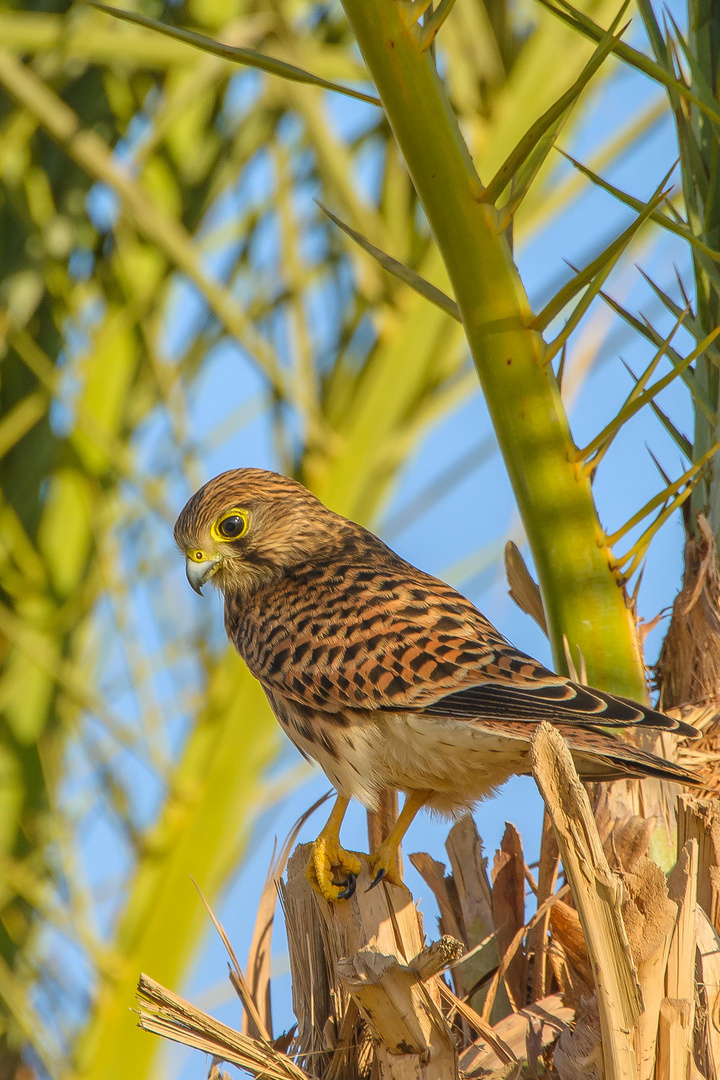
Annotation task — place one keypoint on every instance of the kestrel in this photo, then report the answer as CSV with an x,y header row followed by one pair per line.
x,y
384,675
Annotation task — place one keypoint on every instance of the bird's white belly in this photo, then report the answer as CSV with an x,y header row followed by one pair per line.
x,y
457,761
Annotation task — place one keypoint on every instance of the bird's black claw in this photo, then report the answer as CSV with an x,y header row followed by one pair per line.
x,y
349,889
378,878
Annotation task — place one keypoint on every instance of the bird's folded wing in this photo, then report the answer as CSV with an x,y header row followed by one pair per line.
x,y
411,643
564,703
485,681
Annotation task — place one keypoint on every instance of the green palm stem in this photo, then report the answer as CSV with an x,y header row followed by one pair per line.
x,y
582,592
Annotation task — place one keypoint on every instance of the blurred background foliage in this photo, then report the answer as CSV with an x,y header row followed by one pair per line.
x,y
173,302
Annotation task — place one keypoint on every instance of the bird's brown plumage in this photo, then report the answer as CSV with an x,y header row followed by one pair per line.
x,y
384,674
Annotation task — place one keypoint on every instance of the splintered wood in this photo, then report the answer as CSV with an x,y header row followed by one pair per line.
x,y
508,906
465,899
363,982
699,820
613,975
677,1010
597,894
165,1013
410,1034
640,951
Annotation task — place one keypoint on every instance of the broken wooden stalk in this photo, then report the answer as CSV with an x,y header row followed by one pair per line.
x,y
596,893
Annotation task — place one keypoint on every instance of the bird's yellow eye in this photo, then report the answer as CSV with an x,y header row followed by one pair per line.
x,y
231,525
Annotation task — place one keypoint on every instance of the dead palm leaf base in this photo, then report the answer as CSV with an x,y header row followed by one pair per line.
x,y
616,975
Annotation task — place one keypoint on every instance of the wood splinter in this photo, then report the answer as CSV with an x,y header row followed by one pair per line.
x,y
411,1035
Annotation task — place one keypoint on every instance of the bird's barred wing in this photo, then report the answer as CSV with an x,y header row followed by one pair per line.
x,y
563,703
359,638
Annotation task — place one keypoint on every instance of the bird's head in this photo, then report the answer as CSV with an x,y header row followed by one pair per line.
x,y
247,526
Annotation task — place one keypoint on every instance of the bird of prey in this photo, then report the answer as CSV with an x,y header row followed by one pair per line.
x,y
384,675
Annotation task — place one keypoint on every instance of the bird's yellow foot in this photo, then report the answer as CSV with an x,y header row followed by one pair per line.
x,y
331,870
384,864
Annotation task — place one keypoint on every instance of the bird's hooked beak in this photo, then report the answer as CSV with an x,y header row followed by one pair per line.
x,y
199,568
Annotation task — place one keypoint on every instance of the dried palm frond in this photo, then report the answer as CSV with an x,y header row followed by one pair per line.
x,y
688,670
621,939
167,1014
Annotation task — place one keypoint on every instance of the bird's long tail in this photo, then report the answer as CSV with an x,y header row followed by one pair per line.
x,y
599,756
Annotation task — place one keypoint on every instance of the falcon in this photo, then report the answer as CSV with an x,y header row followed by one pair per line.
x,y
384,675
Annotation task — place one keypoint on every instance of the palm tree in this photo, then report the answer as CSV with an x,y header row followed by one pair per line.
x,y
163,229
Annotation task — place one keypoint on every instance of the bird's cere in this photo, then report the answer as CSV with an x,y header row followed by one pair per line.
x,y
199,568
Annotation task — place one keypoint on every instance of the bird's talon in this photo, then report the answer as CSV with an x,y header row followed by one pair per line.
x,y
384,865
377,879
349,889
